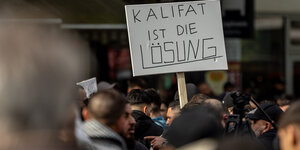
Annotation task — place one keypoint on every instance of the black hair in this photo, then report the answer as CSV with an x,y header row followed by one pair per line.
x,y
228,85
204,123
138,96
174,105
155,98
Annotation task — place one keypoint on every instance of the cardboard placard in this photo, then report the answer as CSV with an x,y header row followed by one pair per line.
x,y
89,86
176,37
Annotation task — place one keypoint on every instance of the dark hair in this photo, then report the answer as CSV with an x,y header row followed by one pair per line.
x,y
291,116
213,109
199,98
285,100
107,105
137,81
138,96
189,106
205,124
228,85
174,105
155,100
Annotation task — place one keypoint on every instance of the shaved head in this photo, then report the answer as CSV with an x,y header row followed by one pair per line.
x,y
107,106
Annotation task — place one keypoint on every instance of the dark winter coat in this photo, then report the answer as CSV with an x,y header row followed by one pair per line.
x,y
145,127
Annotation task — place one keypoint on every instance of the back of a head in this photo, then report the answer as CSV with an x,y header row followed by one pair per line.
x,y
39,66
155,100
215,110
194,125
191,90
291,116
138,96
107,106
199,98
215,104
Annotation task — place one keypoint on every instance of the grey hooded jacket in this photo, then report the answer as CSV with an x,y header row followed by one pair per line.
x,y
103,137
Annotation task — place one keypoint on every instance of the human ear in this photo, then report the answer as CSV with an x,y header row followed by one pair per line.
x,y
85,113
267,126
145,109
295,137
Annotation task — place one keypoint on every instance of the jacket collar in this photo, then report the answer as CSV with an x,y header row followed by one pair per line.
x,y
95,129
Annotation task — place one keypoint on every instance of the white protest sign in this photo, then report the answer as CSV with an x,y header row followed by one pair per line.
x,y
176,37
89,86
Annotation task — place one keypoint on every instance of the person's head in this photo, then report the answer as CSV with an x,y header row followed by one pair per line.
x,y
127,123
136,83
204,88
218,106
39,66
196,124
111,109
228,87
289,128
213,104
191,90
259,122
173,112
139,100
155,102
199,98
284,102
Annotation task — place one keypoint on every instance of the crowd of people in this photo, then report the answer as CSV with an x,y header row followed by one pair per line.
x,y
141,120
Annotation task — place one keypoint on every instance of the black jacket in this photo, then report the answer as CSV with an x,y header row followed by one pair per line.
x,y
145,127
267,138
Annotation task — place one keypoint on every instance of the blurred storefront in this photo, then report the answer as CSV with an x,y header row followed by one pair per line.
x,y
264,49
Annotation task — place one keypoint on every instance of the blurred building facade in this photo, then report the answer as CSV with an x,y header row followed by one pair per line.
x,y
270,53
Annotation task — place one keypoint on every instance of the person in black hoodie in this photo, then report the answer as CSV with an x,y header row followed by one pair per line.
x,y
141,106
